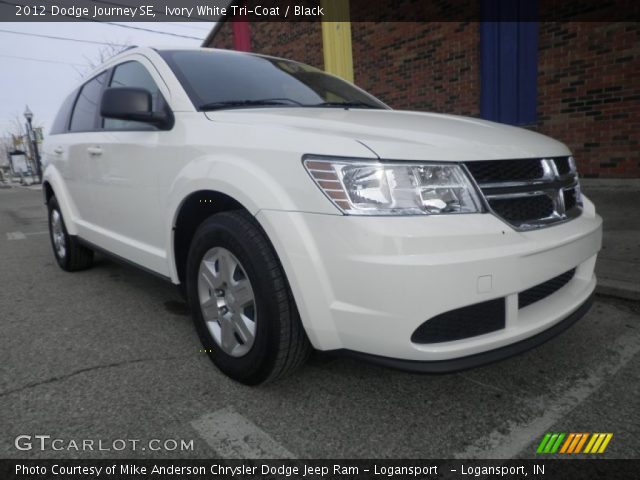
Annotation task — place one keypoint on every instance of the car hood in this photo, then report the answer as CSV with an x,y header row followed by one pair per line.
x,y
402,135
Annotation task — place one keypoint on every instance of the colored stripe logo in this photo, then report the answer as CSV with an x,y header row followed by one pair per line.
x,y
571,443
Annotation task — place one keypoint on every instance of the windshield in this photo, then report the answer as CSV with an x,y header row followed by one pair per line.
x,y
217,79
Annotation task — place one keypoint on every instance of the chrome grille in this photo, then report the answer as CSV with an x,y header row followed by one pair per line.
x,y
529,193
521,209
563,165
506,170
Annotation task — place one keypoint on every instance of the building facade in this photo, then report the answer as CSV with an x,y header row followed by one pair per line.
x,y
578,82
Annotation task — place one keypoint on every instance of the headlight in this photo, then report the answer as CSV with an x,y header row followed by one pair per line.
x,y
359,187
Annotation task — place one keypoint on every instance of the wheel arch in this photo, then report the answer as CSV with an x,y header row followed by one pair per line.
x,y
194,209
47,192
53,185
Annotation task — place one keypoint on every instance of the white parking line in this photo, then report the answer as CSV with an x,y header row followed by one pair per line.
x,y
23,236
233,436
16,236
500,444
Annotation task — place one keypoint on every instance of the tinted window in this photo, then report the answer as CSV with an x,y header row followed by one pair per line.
x,y
86,108
61,121
212,77
134,74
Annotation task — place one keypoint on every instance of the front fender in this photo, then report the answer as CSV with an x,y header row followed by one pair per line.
x,y
281,186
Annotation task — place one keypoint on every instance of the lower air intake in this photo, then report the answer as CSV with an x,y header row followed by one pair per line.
x,y
462,323
543,290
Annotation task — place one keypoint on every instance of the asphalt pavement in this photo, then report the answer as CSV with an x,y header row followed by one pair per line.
x,y
110,354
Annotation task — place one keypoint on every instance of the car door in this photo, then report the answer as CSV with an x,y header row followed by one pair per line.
x,y
125,187
73,151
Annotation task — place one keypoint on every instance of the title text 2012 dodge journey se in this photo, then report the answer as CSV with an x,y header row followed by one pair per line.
x,y
296,211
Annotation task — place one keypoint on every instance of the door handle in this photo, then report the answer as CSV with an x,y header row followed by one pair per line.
x,y
94,151
58,151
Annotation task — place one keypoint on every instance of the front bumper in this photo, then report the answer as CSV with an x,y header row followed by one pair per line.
x,y
365,284
490,356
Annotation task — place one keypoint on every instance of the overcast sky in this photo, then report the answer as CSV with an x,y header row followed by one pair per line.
x,y
47,69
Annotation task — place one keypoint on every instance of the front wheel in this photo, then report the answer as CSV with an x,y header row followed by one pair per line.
x,y
242,306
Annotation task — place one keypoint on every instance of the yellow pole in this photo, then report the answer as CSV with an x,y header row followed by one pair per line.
x,y
336,39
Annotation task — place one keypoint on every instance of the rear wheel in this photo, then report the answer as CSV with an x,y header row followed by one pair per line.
x,y
69,253
243,309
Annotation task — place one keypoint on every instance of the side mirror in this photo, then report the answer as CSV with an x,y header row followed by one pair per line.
x,y
127,103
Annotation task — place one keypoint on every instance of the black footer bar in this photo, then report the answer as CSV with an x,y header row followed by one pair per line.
x,y
339,469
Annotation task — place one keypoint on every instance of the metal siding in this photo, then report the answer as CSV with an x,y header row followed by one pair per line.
x,y
508,97
528,72
241,36
336,40
508,62
489,70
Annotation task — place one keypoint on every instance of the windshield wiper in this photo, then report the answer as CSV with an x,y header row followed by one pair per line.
x,y
265,102
345,105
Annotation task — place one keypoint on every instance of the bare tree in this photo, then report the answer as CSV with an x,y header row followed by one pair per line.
x,y
17,125
105,53
17,131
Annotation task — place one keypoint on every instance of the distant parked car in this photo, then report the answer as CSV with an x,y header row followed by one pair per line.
x,y
295,210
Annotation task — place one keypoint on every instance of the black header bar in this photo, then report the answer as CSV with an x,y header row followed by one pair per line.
x,y
314,10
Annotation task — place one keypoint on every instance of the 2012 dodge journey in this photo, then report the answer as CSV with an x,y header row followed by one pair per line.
x,y
296,211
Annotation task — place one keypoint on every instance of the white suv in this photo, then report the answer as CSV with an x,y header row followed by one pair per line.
x,y
295,210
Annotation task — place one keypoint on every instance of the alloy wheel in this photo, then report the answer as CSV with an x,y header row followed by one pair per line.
x,y
227,301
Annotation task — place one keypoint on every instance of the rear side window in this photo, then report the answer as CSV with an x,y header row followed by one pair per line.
x,y
85,112
61,121
134,74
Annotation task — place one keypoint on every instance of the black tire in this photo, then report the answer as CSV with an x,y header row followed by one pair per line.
x,y
76,256
281,344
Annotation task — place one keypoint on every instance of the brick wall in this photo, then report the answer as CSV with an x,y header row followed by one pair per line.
x,y
589,93
588,77
419,66
224,37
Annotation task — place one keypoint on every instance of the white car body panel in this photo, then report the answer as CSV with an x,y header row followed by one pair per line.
x,y
401,135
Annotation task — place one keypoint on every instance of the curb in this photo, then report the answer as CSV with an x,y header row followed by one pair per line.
x,y
611,184
618,289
